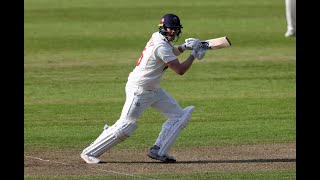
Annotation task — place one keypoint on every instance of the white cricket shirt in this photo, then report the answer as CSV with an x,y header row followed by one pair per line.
x,y
152,62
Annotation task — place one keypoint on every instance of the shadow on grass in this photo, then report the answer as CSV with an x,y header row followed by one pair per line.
x,y
210,161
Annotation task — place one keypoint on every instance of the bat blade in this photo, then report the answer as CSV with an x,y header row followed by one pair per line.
x,y
216,43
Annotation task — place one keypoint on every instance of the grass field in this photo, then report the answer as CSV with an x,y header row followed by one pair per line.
x,y
78,55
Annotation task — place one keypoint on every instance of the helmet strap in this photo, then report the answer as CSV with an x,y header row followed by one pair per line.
x,y
163,31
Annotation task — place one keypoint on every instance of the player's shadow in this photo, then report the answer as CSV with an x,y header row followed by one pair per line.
x,y
239,161
211,161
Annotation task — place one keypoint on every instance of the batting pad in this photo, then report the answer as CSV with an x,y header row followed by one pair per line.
x,y
110,137
171,130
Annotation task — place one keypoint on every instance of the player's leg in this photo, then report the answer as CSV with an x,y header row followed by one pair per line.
x,y
291,17
136,103
110,137
178,119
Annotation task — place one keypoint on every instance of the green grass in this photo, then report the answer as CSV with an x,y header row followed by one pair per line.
x,y
255,100
78,55
261,175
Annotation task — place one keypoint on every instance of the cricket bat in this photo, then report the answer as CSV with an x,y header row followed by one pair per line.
x,y
216,43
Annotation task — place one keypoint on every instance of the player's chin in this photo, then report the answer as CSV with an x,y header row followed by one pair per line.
x,y
171,38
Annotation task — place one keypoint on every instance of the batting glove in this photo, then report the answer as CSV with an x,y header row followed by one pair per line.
x,y
201,53
194,53
190,44
198,53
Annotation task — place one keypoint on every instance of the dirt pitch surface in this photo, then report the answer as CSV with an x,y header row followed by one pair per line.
x,y
135,163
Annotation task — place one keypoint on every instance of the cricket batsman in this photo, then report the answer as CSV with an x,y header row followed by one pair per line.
x,y
143,90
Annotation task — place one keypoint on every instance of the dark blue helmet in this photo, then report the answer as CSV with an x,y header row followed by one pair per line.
x,y
169,21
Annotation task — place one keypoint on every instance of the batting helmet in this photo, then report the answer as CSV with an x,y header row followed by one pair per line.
x,y
170,21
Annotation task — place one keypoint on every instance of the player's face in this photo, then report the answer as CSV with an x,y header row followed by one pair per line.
x,y
171,33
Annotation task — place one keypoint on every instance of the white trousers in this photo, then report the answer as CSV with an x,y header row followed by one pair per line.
x,y
291,15
139,99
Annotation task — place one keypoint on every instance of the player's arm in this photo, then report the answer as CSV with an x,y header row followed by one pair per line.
x,y
190,44
181,68
177,50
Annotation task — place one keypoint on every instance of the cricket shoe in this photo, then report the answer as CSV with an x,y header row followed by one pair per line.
x,y
290,34
89,159
153,153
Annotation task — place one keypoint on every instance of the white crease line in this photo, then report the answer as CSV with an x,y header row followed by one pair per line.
x,y
48,160
107,171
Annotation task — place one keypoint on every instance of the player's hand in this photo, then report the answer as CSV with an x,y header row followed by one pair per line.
x,y
194,53
201,53
190,44
198,53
